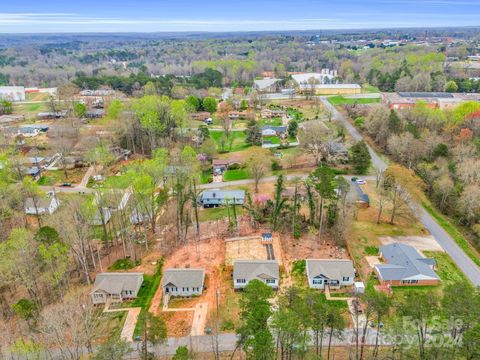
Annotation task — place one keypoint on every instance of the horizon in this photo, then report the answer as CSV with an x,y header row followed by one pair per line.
x,y
215,16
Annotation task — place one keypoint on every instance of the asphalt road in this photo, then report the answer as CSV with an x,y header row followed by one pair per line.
x,y
469,268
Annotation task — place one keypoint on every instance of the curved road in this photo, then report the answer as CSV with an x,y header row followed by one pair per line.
x,y
469,268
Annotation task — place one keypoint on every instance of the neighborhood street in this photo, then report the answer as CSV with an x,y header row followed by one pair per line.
x,y
470,269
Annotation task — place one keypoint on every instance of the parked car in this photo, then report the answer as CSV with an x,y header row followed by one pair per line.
x,y
67,184
360,182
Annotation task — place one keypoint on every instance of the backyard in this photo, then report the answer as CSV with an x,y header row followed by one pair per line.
x,y
234,142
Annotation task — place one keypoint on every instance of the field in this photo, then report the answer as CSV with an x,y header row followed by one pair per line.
x,y
340,100
236,142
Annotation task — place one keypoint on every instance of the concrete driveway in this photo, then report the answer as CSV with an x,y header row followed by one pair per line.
x,y
421,243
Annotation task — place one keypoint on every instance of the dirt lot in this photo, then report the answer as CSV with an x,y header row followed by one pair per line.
x,y
250,248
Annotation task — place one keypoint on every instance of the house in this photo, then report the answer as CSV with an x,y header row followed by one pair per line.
x,y
266,271
183,282
331,89
221,165
267,85
269,130
236,115
331,272
97,218
338,150
404,266
271,113
8,120
356,195
34,172
216,197
43,205
35,161
116,287
138,217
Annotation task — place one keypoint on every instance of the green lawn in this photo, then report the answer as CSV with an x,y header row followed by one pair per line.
x,y
237,174
272,139
446,268
218,213
145,296
454,233
236,141
340,100
206,176
276,121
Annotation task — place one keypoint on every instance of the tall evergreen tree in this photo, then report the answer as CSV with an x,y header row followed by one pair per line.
x,y
360,158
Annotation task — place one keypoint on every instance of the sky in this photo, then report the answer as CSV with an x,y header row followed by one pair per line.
x,y
33,16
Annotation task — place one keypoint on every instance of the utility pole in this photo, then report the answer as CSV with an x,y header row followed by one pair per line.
x,y
217,295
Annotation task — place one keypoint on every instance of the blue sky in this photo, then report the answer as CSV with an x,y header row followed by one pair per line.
x,y
33,16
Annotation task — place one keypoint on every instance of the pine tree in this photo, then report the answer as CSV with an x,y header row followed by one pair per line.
x,y
360,157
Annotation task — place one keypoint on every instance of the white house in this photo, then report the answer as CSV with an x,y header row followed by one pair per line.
x,y
44,205
183,282
245,271
332,272
116,287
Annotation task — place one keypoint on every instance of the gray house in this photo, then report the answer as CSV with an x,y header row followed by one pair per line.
x,y
116,287
264,270
216,197
183,282
404,266
332,272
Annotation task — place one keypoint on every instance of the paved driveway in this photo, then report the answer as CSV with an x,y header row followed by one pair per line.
x,y
469,268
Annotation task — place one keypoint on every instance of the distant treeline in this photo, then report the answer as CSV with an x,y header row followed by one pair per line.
x,y
163,84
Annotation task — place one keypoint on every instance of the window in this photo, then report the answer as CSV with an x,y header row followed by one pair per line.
x,y
346,278
317,282
270,281
241,281
409,281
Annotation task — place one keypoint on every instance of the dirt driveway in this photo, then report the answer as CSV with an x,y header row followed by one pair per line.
x,y
421,243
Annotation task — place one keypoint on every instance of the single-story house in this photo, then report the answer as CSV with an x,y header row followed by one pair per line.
x,y
267,85
8,120
116,287
404,266
34,172
216,197
52,115
331,272
183,282
266,271
36,161
95,114
271,113
43,205
269,130
221,165
356,195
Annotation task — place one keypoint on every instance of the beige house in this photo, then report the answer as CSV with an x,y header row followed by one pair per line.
x,y
116,287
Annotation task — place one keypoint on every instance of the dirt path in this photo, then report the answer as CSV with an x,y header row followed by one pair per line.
x,y
199,319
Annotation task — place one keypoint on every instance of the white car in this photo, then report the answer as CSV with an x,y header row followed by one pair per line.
x,y
360,182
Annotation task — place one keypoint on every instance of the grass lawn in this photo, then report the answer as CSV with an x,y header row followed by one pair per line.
x,y
54,177
206,176
111,324
370,89
340,100
271,139
218,213
454,233
145,296
446,268
276,121
237,174
236,142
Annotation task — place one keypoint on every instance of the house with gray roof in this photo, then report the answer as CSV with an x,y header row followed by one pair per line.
x,y
217,197
116,287
42,205
329,272
244,271
183,282
404,266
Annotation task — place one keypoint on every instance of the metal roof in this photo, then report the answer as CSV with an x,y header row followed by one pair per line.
x,y
426,95
115,283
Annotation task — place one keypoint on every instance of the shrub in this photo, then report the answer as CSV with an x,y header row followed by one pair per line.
x,y
371,250
276,165
299,267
